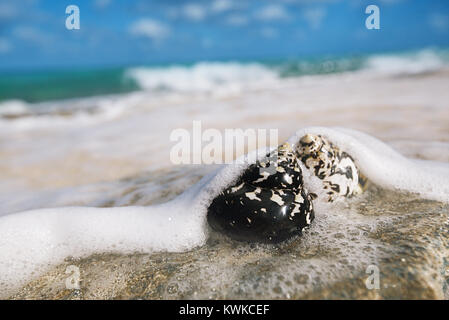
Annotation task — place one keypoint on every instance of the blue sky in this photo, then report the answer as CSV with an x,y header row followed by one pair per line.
x,y
120,32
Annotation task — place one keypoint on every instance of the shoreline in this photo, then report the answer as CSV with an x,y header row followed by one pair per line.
x,y
125,161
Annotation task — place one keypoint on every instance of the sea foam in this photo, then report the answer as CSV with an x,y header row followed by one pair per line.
x,y
212,77
33,241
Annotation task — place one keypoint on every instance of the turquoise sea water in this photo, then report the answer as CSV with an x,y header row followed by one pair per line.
x,y
38,86
50,85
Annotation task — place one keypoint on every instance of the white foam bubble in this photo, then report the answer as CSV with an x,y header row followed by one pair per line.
x,y
422,61
386,167
216,77
32,241
13,107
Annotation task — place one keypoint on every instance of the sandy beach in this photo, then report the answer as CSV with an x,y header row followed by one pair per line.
x,y
119,156
132,135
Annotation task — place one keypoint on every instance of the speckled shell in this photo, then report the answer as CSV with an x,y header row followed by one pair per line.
x,y
267,203
341,177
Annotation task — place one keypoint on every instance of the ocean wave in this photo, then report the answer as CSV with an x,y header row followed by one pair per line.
x,y
224,79
67,112
13,108
423,61
203,77
232,77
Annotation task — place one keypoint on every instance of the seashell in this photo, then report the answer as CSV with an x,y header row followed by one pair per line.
x,y
268,203
337,169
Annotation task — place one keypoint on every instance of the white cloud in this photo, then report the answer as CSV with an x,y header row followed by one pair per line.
x,y
237,20
101,4
272,12
31,34
314,1
269,32
150,28
314,17
198,12
221,5
194,12
439,22
390,2
5,46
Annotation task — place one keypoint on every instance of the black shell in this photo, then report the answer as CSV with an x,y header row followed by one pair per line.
x,y
267,203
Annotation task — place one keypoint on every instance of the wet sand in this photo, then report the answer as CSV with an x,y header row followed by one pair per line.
x,y
124,160
407,238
